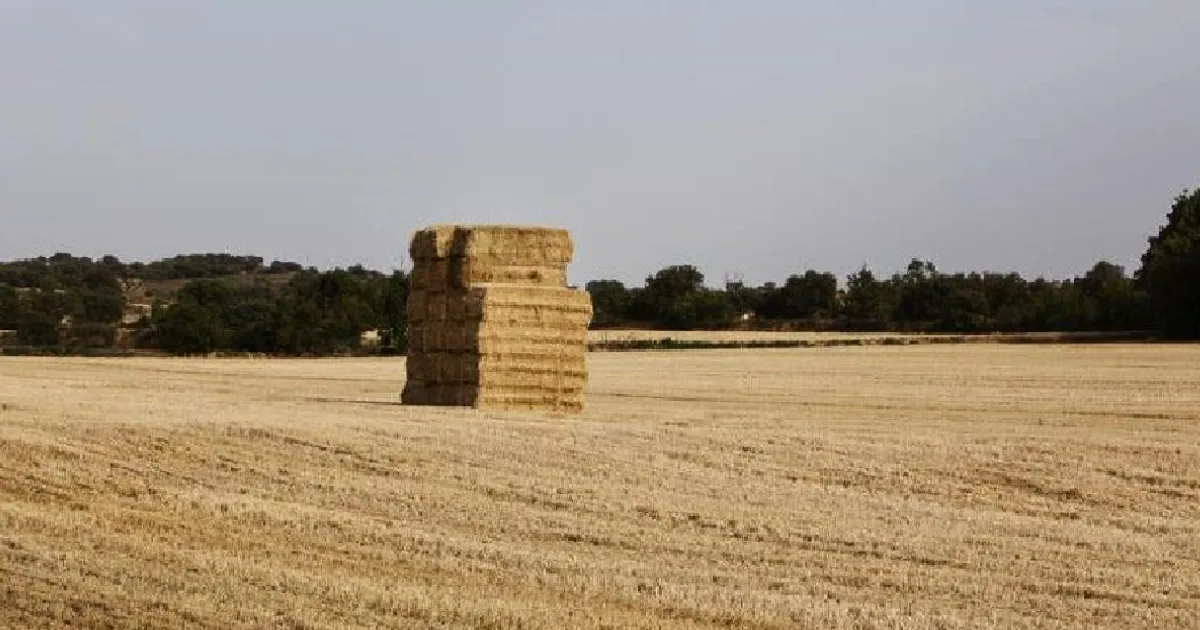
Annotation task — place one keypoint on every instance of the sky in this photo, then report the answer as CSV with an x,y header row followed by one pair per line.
x,y
751,138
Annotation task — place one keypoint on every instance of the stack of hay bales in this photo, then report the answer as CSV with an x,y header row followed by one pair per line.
x,y
491,322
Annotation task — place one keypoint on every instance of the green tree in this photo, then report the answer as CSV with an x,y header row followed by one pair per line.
x,y
199,320
98,307
326,312
188,327
395,311
669,299
961,304
1170,272
1113,301
918,293
744,299
708,310
253,320
10,308
42,316
675,281
610,302
867,302
813,294
1009,301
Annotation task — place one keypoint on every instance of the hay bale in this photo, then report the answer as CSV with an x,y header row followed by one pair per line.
x,y
431,243
491,321
512,243
467,272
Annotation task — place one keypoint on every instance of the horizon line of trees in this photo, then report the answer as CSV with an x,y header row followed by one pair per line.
x,y
921,299
229,303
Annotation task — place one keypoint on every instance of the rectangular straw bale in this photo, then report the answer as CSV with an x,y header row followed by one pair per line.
x,y
554,245
461,395
522,401
477,368
449,337
431,242
416,364
491,322
416,308
436,306
417,335
433,339
459,309
414,393
503,381
434,394
467,272
521,333
416,340
527,295
550,328
541,257
527,304
505,346
430,275
547,317
418,279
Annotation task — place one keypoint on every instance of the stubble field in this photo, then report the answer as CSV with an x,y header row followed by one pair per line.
x,y
875,487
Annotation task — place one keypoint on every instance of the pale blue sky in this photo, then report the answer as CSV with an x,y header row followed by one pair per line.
x,y
753,136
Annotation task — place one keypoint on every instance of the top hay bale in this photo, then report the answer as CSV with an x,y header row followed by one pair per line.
x,y
498,244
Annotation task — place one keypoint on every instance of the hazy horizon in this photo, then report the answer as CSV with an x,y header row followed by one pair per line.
x,y
758,138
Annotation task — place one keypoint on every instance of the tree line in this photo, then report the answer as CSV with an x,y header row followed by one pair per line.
x,y
921,299
1162,296
226,302
241,303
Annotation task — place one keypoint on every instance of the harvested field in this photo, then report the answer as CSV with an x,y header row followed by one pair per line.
x,y
973,486
726,335
599,339
613,339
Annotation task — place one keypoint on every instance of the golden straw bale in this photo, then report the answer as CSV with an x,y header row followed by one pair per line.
x,y
491,321
480,241
431,242
468,272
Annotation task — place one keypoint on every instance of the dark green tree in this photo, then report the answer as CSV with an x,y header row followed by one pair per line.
x,y
252,319
1113,301
675,281
1170,272
188,327
707,310
327,312
867,302
811,295
199,320
42,317
395,314
744,299
610,302
669,299
1008,300
98,307
961,304
918,294
10,308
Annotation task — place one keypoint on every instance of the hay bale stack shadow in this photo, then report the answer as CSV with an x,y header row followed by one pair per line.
x,y
491,322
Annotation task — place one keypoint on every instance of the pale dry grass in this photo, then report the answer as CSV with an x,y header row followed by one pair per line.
x,y
880,487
